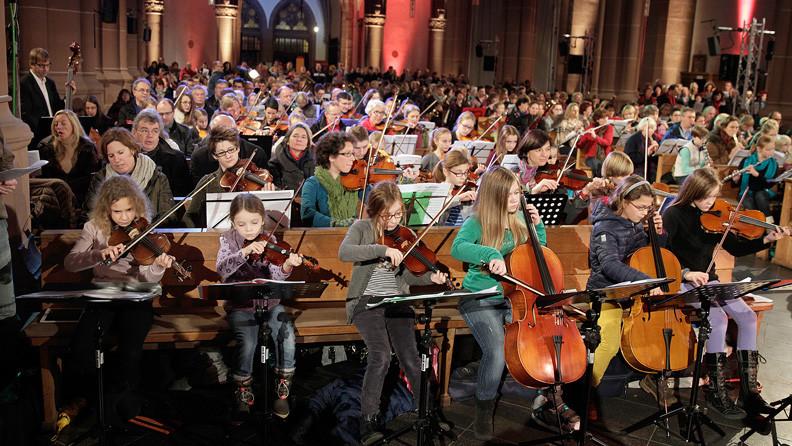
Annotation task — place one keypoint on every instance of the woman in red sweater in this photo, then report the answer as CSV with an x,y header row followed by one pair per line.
x,y
596,144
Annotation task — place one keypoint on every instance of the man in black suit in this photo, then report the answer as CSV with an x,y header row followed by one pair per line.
x,y
38,93
141,90
179,133
147,130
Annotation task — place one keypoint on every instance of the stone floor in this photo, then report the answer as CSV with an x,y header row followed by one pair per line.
x,y
513,424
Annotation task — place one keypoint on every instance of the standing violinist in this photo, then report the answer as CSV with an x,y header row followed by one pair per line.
x,y
694,247
223,144
325,201
119,204
617,233
455,170
241,259
492,232
381,328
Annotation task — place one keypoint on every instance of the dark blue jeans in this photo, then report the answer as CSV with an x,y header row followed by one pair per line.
x,y
759,200
245,330
486,318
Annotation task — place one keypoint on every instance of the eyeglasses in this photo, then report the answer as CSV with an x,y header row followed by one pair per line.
x,y
347,154
642,208
397,216
43,65
466,126
148,131
378,113
230,151
459,174
143,90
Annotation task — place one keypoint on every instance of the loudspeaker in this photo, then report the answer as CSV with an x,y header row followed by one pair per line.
x,y
713,43
729,64
109,11
576,65
563,48
770,50
489,63
147,34
132,25
479,50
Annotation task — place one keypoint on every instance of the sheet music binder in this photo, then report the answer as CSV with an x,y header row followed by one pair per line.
x,y
550,206
263,289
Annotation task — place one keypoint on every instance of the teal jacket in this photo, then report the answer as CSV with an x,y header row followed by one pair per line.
x,y
315,207
467,247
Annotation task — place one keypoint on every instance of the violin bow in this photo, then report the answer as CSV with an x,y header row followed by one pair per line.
x,y
726,232
372,152
431,223
646,154
574,147
131,244
332,124
244,168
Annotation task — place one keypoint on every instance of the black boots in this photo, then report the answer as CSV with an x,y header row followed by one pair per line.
x,y
282,387
243,399
717,397
750,399
485,410
369,430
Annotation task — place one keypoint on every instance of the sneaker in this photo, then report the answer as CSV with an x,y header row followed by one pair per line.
x,y
649,385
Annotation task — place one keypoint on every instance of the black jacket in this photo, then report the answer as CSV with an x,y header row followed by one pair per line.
x,y
182,136
127,114
288,173
613,240
32,100
80,175
322,123
174,166
203,163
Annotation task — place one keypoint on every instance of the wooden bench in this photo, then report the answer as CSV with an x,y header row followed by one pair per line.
x,y
185,321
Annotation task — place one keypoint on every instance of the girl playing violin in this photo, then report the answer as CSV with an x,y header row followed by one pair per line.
x,y
381,328
247,238
762,166
200,122
493,231
508,137
325,201
464,128
119,203
617,233
694,248
455,170
363,144
440,143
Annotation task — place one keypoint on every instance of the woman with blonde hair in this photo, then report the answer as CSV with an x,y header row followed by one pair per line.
x,y
464,127
570,123
72,156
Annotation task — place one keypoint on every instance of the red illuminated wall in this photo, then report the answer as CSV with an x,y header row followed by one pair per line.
x,y
189,32
406,39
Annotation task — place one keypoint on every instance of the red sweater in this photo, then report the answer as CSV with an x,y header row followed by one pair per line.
x,y
588,143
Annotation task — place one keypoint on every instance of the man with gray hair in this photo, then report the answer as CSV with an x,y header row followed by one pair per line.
x,y
141,90
202,162
179,133
147,129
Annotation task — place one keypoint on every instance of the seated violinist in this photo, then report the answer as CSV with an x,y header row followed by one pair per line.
x,y
229,103
224,145
508,137
325,201
202,161
455,170
330,115
347,104
364,141
464,129
375,116
440,144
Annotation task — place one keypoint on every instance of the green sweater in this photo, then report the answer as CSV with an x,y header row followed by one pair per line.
x,y
467,248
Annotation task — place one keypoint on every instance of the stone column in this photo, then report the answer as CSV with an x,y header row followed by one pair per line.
x,y
227,15
437,26
375,27
153,10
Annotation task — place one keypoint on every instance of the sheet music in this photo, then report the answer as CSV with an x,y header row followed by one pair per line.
x,y
738,157
275,202
17,172
429,200
671,145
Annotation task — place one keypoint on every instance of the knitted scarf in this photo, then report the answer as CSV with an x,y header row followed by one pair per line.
x,y
342,203
142,173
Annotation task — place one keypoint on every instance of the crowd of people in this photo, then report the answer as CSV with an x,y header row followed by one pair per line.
x,y
178,130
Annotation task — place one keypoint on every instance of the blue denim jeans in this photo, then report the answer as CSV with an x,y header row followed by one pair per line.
x,y
486,318
245,329
759,200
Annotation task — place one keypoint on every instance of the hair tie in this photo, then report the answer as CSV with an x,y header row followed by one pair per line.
x,y
630,189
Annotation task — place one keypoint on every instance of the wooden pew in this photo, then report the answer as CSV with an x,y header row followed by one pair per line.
x,y
185,321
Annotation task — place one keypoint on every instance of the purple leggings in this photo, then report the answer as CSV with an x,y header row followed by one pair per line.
x,y
743,316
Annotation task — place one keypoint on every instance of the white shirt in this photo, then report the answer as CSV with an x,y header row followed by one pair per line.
x,y
43,86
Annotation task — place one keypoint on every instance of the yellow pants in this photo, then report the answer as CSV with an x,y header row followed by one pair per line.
x,y
610,322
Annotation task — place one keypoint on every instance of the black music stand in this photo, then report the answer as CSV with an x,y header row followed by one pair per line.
x,y
97,295
769,422
427,424
262,289
694,416
550,206
591,335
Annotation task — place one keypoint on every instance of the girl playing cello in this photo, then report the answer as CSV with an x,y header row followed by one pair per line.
x,y
492,232
235,264
694,248
381,328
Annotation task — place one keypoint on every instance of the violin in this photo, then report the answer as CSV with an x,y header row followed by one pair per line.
x,y
472,136
148,248
383,169
747,224
245,176
656,340
278,252
572,179
541,348
417,257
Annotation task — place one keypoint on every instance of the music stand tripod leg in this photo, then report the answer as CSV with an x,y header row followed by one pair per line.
x,y
592,336
100,427
264,336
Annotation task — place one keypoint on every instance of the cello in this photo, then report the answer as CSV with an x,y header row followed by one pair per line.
x,y
541,349
657,340
74,65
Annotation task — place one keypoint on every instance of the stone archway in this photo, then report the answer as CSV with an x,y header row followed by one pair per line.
x,y
254,27
292,23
